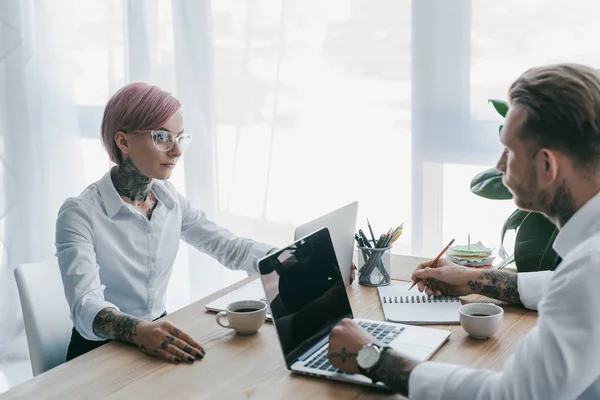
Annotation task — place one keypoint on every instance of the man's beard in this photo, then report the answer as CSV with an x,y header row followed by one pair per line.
x,y
559,207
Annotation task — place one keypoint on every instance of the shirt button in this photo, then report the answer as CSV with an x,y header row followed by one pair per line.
x,y
148,231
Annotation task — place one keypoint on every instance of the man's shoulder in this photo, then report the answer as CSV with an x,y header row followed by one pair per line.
x,y
587,249
582,263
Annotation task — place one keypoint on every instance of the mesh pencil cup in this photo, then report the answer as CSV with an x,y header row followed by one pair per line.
x,y
374,266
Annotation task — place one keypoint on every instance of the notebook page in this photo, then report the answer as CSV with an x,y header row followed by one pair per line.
x,y
413,307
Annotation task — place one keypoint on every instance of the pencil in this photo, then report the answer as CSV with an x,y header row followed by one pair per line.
x,y
371,231
434,261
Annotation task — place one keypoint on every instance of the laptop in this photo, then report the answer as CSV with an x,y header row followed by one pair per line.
x,y
341,224
307,298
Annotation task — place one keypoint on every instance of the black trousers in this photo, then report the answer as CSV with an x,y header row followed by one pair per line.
x,y
79,345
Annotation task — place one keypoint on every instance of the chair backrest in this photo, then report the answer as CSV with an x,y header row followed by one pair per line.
x,y
45,313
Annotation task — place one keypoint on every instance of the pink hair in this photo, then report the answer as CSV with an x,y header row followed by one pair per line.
x,y
135,107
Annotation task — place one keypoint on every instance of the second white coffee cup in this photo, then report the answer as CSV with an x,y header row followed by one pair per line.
x,y
481,320
245,316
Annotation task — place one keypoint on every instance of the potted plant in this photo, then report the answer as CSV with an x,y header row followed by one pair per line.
x,y
535,233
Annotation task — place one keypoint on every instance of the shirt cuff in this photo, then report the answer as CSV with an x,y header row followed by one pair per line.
x,y
531,287
85,322
259,250
427,380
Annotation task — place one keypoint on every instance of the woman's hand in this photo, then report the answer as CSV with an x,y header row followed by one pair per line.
x,y
164,340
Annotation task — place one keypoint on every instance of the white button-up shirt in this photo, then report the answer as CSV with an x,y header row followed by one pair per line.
x,y
560,357
110,255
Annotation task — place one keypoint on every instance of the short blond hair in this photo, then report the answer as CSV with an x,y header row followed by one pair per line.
x,y
562,106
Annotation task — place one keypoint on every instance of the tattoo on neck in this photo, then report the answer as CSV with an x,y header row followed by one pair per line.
x,y
499,285
343,355
112,324
562,206
394,370
154,203
130,182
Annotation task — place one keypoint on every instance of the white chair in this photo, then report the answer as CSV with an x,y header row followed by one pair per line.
x,y
45,313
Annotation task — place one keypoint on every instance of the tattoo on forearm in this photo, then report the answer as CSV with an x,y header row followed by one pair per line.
x,y
130,182
112,324
394,370
499,285
343,355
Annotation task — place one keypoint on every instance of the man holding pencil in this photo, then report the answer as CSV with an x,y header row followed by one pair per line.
x,y
551,164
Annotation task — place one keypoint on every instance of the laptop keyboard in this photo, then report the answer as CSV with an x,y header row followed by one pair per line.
x,y
384,333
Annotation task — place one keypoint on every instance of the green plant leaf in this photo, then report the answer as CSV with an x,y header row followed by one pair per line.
x,y
488,184
501,106
500,129
533,244
513,222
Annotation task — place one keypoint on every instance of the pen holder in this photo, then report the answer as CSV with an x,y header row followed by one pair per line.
x,y
374,266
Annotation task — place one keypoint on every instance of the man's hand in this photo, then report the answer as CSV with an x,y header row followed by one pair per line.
x,y
456,280
346,339
445,278
164,340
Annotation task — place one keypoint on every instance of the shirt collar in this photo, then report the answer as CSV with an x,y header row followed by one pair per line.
x,y
113,202
111,199
583,224
163,194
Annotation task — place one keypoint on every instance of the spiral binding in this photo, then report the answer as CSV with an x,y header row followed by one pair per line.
x,y
420,299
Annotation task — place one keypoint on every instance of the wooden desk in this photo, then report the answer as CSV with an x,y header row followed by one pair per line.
x,y
247,366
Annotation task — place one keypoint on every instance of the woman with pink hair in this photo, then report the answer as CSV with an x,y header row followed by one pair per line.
x,y
117,241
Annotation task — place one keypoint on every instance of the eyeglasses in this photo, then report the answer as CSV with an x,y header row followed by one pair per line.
x,y
165,140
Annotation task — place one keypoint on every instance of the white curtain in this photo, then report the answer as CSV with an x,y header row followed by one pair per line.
x,y
296,107
40,153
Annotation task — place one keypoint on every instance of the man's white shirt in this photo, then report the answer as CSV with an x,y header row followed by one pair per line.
x,y
560,357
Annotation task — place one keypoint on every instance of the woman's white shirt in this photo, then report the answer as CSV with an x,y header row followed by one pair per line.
x,y
110,255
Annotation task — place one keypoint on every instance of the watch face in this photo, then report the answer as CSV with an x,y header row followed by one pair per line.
x,y
367,357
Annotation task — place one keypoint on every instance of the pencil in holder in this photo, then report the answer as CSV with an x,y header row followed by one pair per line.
x,y
374,266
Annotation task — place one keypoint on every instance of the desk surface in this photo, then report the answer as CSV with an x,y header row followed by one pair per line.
x,y
249,366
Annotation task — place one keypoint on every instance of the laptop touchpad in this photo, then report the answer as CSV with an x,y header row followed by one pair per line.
x,y
414,351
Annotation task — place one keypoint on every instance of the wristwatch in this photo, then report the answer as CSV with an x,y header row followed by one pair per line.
x,y
369,357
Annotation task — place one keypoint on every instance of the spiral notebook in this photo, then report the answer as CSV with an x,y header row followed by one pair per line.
x,y
413,307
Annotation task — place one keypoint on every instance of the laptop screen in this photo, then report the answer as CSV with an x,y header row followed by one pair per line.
x,y
306,293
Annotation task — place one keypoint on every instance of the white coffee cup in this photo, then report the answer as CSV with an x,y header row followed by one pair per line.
x,y
245,316
481,320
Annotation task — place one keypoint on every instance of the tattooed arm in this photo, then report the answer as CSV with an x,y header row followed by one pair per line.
x,y
394,370
159,338
346,340
499,285
112,324
457,280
